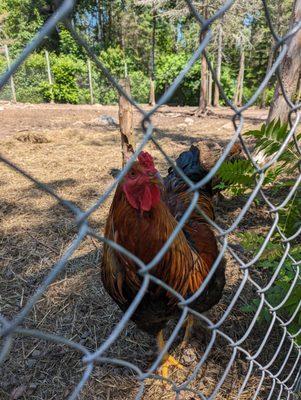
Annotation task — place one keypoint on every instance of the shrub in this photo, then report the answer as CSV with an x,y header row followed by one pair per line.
x,y
228,82
5,92
67,44
139,86
27,79
167,69
66,72
113,59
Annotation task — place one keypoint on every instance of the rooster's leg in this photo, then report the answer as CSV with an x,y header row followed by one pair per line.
x,y
168,360
188,330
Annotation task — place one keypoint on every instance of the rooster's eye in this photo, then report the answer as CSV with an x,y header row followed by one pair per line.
x,y
132,174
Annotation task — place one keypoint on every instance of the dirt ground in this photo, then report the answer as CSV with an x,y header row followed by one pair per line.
x,y
71,149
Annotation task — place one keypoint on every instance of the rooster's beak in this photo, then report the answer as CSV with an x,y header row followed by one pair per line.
x,y
156,180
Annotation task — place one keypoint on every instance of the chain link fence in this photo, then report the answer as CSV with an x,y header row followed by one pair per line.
x,y
39,79
286,379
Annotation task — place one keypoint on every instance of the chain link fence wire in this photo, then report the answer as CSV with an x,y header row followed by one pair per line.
x,y
286,378
32,83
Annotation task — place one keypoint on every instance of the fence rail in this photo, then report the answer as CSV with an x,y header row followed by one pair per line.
x,y
282,386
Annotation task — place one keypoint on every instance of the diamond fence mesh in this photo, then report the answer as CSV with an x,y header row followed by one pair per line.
x,y
285,379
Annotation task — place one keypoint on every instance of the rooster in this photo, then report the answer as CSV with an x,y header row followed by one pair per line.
x,y
144,213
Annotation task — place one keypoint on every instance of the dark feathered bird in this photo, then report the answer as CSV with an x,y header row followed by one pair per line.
x,y
144,213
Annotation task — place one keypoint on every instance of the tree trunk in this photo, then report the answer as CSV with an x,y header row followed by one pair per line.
x,y
152,98
99,21
209,88
299,90
269,66
126,123
102,36
110,22
203,92
240,78
218,65
291,67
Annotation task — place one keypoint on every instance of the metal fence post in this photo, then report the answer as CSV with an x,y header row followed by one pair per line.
x,y
90,81
126,122
49,75
12,83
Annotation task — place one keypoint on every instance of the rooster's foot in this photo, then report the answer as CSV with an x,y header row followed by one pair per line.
x,y
169,361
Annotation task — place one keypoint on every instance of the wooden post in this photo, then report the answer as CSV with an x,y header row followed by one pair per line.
x,y
152,97
90,82
126,123
49,75
12,84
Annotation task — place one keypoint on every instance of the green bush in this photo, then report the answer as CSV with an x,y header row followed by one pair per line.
x,y
114,60
170,65
168,68
5,92
269,92
104,93
249,91
67,44
70,77
228,82
107,94
66,71
27,79
140,85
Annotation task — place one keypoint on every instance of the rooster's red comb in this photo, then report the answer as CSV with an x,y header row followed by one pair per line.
x,y
147,161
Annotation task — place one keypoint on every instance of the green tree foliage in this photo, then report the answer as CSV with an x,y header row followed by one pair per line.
x,y
120,33
24,20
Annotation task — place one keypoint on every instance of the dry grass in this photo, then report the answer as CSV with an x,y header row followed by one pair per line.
x,y
76,159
